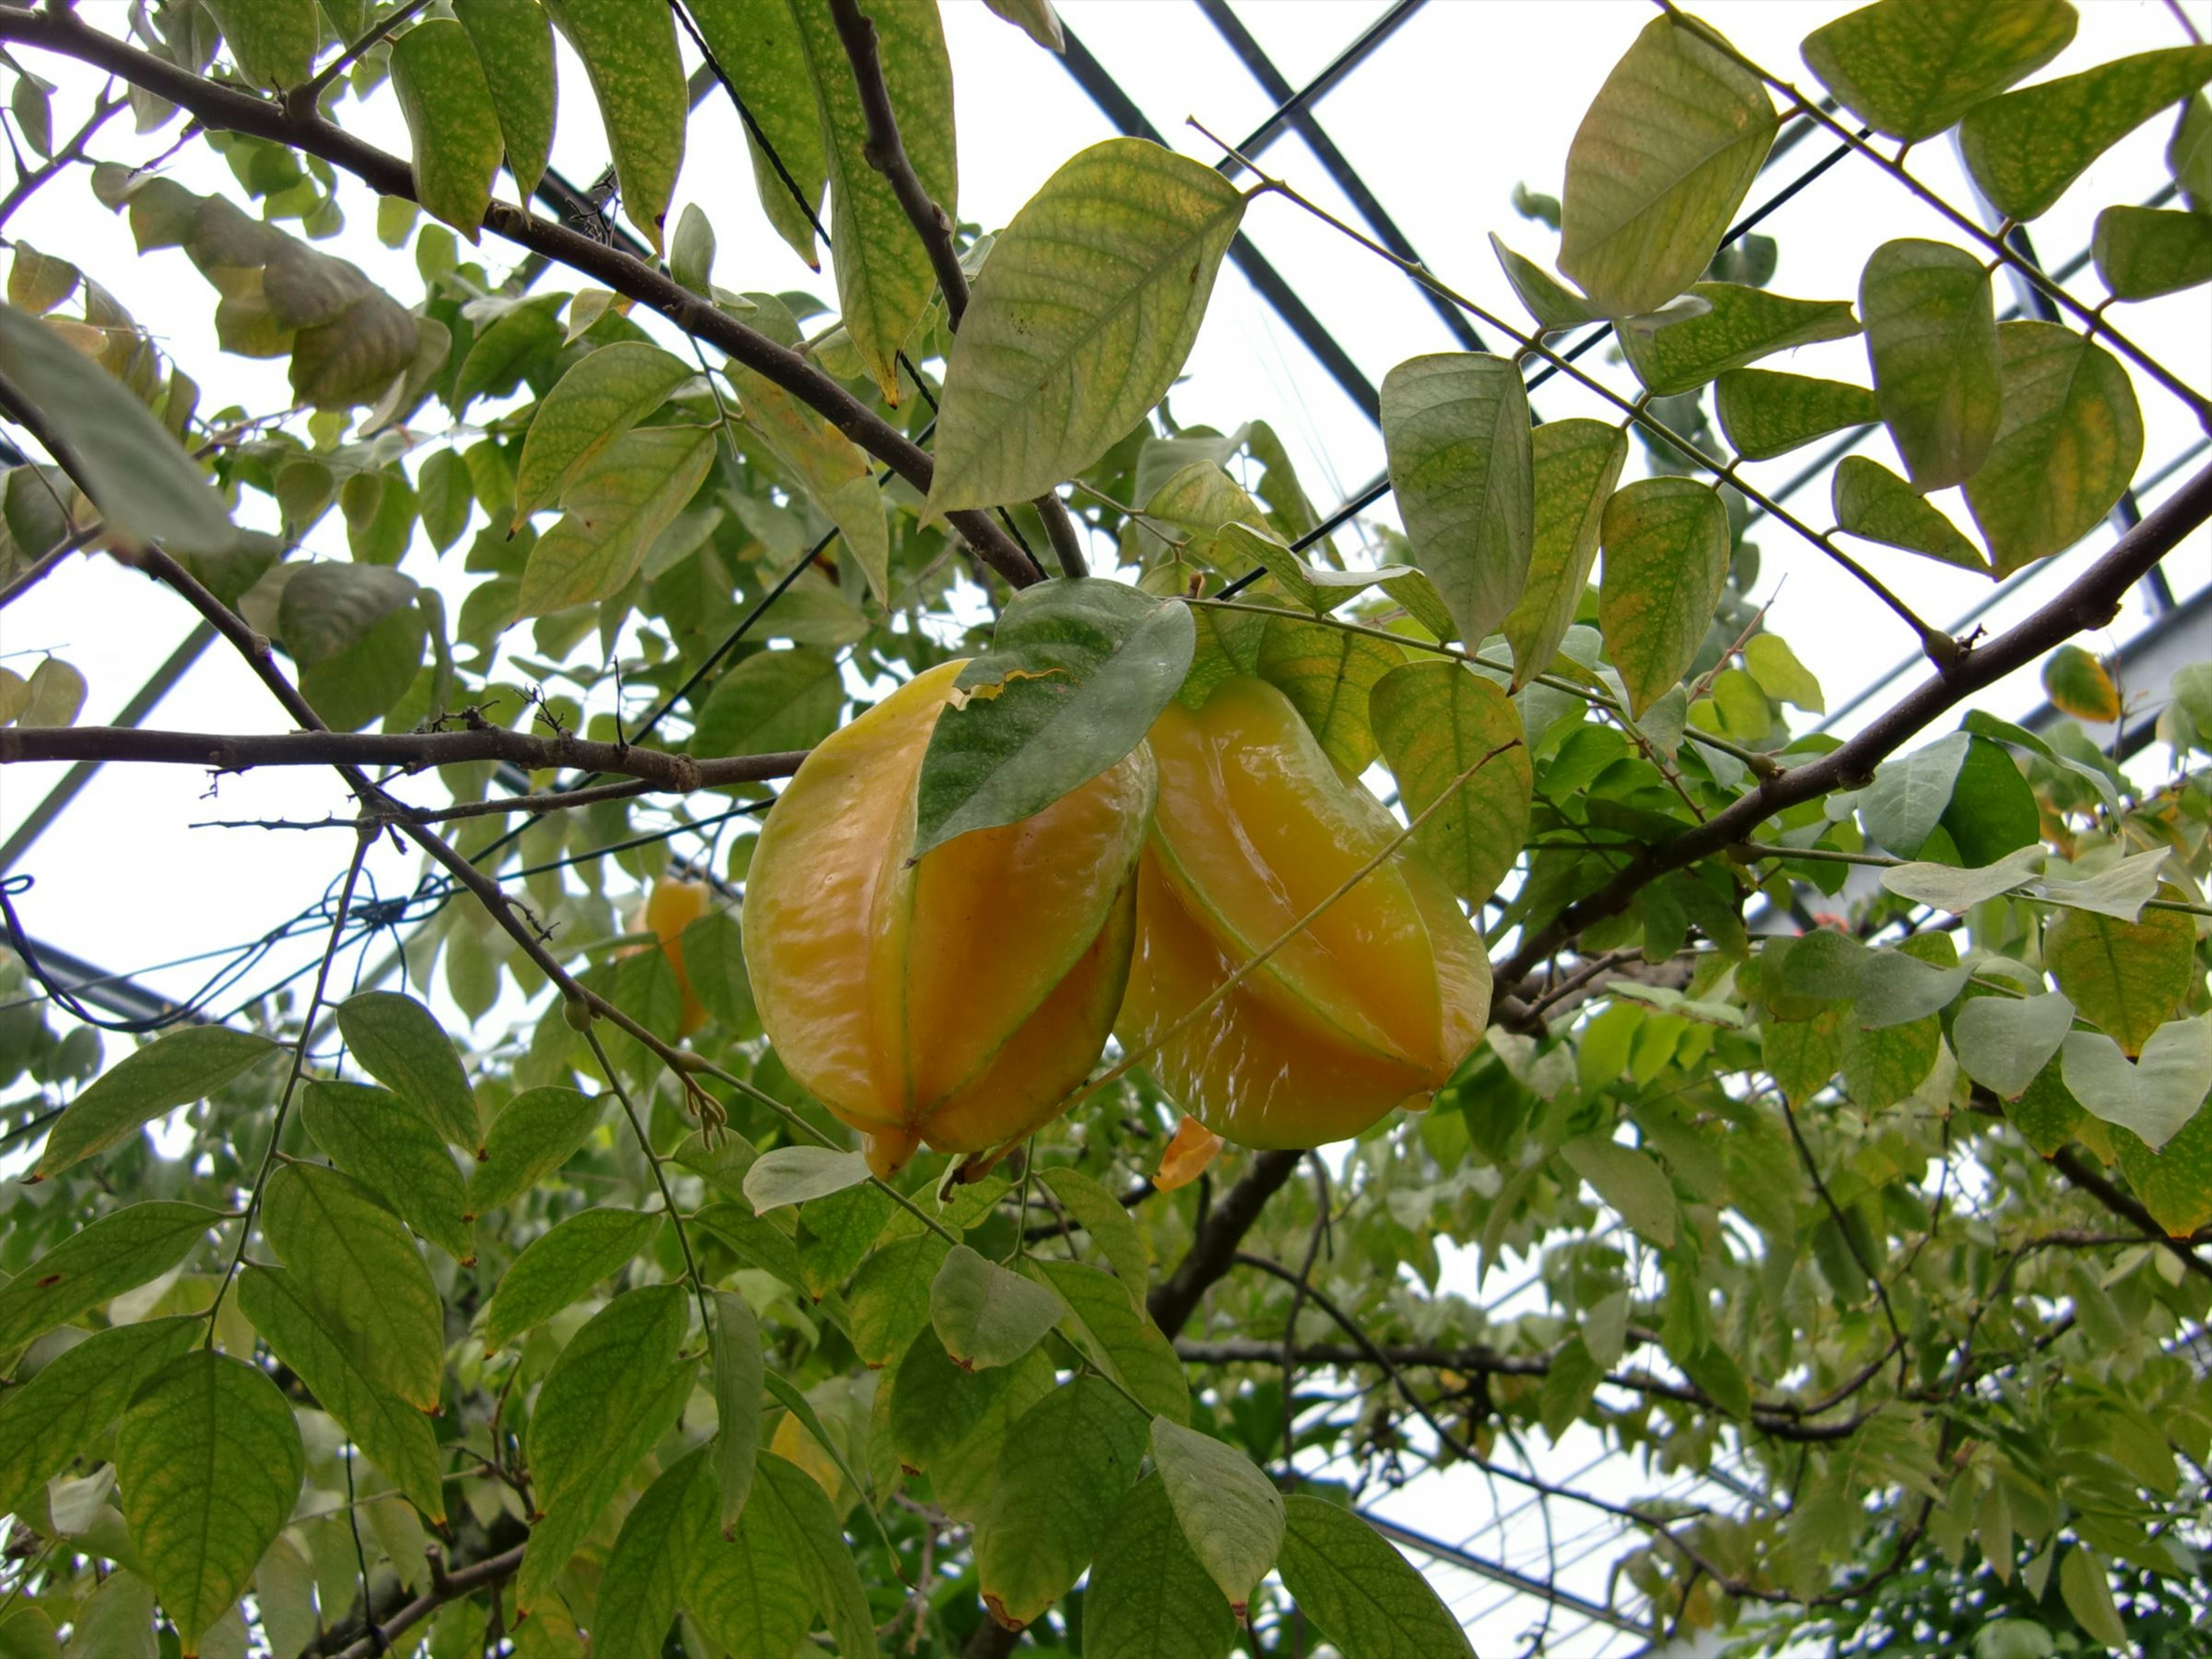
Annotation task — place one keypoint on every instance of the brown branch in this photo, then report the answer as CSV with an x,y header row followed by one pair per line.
x,y
444,1587
2091,601
230,110
31,182
1213,1251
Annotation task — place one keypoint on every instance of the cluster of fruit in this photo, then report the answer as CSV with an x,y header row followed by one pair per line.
x,y
960,998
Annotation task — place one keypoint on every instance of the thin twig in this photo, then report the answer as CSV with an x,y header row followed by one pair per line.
x,y
307,95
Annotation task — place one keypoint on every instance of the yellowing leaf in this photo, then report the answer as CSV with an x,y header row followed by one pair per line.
x,y
619,502
1911,68
1666,558
451,120
629,49
829,465
513,40
1436,719
1189,1153
273,40
756,43
2026,148
2125,978
1871,501
2080,686
1931,337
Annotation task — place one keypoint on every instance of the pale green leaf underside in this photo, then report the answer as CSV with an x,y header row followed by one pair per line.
x,y
1871,501
1931,337
1575,464
2026,148
1436,719
1665,557
1766,413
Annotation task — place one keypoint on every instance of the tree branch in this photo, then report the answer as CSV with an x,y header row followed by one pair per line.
x,y
230,110
1213,1251
444,1587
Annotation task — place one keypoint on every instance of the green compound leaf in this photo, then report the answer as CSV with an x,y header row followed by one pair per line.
x,y
560,1266
1150,1598
396,1042
1230,1512
1911,68
2065,451
1744,324
950,1424
513,39
828,1572
273,40
1455,425
986,1315
1871,501
44,1422
534,1134
2125,978
2026,148
1932,339
1659,166
889,1299
1359,1590
1080,320
1328,675
617,505
1666,558
299,1330
1767,413
207,1464
1629,1180
1435,719
1066,1466
590,407
115,1254
1574,465
380,1140
757,44
750,1594
629,49
653,1559
2142,253
451,121
1077,673
173,1070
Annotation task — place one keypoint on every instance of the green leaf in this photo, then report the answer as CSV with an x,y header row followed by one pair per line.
x,y
534,1134
757,44
1801,1055
561,1266
737,1369
616,505
1361,1592
329,1358
749,1595
1064,1470
2189,153
1780,675
2079,685
1149,1597
1949,887
395,1040
1663,160
1882,1068
369,677
653,1561
146,488
329,606
1435,719
1077,673
1317,587
950,1424
1456,428
1896,988
1871,501
2128,979
115,1254
889,1301
1575,464
1932,340
1909,794
207,1462
2142,253
986,1315
382,1141
1328,675
1080,320
629,49
2120,890
613,1392
350,1257
1767,413
2026,148
1118,1336
591,406
1555,306
273,40
831,1578
2065,451
1665,559
514,41
446,498
1230,1512
794,1174
1744,324
175,1070
2175,1182
1911,68
47,1421
2002,1042
451,121
771,701
1100,1214
831,468
1629,1180
1993,812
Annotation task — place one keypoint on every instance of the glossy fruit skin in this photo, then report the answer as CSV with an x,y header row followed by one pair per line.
x,y
670,907
956,1001
1370,1008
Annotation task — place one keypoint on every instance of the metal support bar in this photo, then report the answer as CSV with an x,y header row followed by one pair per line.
x,y
1498,1573
115,994
1290,106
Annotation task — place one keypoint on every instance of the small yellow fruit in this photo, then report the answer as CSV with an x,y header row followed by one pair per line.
x,y
669,909
958,999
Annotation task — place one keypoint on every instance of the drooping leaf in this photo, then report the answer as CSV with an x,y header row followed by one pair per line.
x,y
1911,68
1553,305
1329,675
1117,1336
2026,148
2004,1043
1767,413
1781,675
75,1396
950,1424
207,1464
1575,464
116,1252
2156,1096
1629,1180
1896,988
452,121
629,49
1080,320
2125,978
590,407
2065,450
175,1070
1932,339
1150,1598
1665,559
1101,1215
1434,719
396,1042
796,1174
829,1574
561,1266
757,44
1949,887
2142,253
1077,673
1317,587
738,1367
1744,324
386,1144
2120,891
1993,812
618,502
1906,799
534,1134
1230,1512
1871,501
1663,160
273,40
1359,1590
986,1315
1067,1466
830,467
513,40
352,1260
1456,428
653,1559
